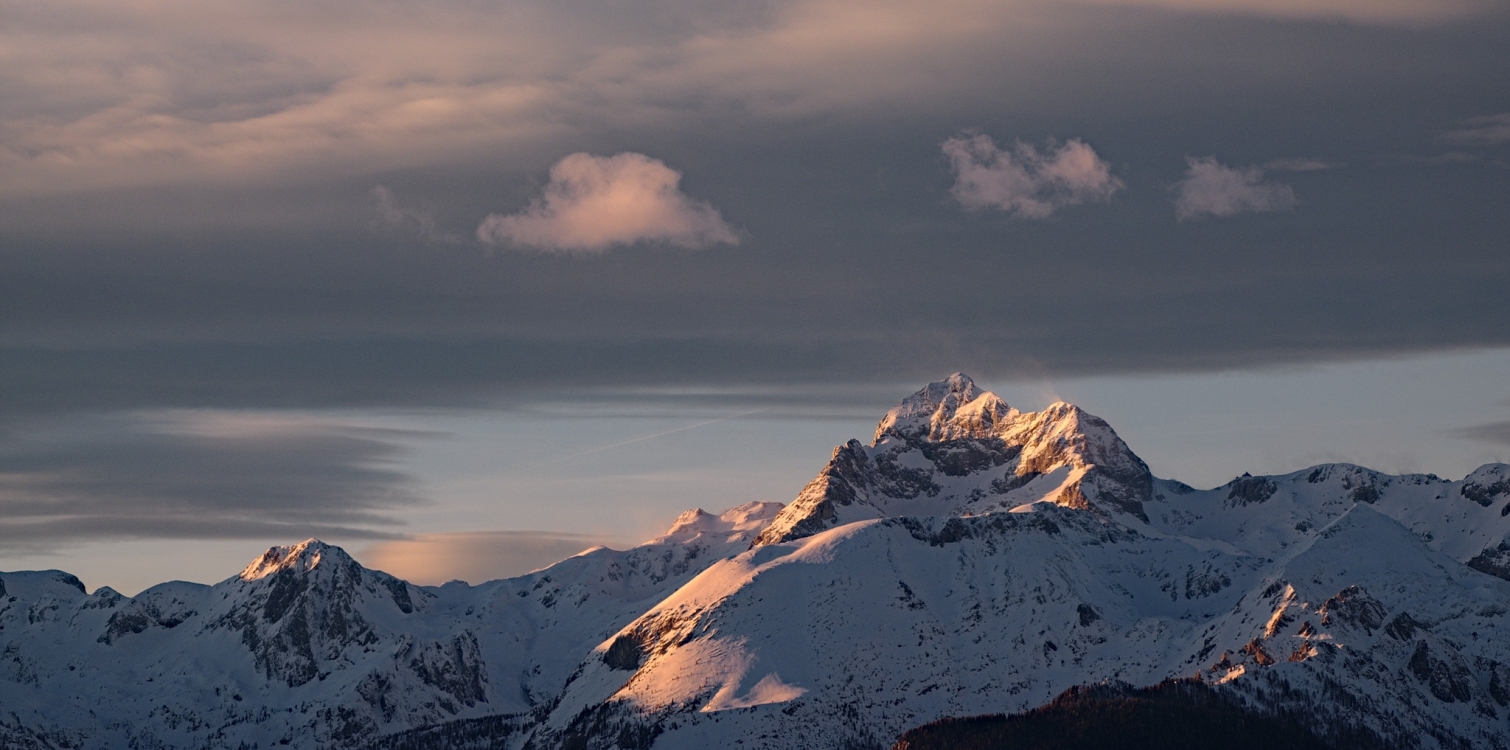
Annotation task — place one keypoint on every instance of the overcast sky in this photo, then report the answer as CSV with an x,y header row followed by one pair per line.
x,y
275,269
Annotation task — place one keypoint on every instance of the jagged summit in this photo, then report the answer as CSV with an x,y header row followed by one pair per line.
x,y
953,449
972,559
304,556
951,408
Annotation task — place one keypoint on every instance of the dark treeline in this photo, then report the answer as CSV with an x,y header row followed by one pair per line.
x,y
1173,715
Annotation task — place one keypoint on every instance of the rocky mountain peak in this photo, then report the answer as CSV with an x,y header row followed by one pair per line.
x,y
949,409
1063,434
953,449
304,556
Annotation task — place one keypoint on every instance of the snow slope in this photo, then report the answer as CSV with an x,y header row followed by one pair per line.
x,y
308,648
971,559
951,568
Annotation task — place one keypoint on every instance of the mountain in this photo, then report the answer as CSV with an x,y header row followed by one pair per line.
x,y
971,560
951,449
305,647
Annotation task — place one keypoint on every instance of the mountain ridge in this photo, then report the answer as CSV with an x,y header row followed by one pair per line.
x,y
974,559
928,448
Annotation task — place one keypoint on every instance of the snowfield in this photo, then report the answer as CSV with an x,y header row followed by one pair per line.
x,y
971,559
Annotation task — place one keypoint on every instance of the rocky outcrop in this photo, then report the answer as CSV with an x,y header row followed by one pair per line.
x,y
166,606
951,449
301,607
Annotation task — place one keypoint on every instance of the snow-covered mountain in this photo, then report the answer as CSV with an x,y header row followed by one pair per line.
x,y
971,559
952,450
305,647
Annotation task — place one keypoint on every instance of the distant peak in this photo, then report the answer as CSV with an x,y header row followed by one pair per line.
x,y
959,386
932,411
305,555
689,516
746,519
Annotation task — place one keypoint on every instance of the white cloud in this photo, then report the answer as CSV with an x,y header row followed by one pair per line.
x,y
1483,130
595,202
474,556
1212,189
1024,181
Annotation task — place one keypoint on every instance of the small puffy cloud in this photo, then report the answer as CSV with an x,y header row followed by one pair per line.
x,y
1486,131
473,556
595,202
1024,181
1213,189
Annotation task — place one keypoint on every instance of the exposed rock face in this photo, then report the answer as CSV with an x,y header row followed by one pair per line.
x,y
908,619
952,449
1246,490
1493,560
165,606
307,648
1488,486
301,607
971,560
454,666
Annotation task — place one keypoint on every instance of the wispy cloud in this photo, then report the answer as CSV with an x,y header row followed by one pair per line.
x,y
1387,12
1437,160
123,94
199,475
1484,131
1213,189
1024,181
595,202
1299,164
1497,433
393,217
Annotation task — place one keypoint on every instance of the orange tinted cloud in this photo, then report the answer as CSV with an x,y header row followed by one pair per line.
x,y
595,202
474,556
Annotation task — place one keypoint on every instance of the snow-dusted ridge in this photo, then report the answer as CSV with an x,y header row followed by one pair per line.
x,y
951,449
971,559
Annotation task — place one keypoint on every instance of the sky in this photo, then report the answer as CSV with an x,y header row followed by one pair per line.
x,y
467,285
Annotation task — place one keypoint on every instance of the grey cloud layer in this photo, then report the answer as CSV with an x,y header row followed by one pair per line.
x,y
197,475
1497,433
187,216
186,193
1490,130
218,92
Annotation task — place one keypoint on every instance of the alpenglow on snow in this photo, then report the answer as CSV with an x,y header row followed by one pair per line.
x,y
970,559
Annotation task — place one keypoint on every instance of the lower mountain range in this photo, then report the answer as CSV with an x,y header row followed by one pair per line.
x,y
971,561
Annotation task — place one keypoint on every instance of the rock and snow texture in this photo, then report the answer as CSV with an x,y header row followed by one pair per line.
x,y
972,559
951,449
307,648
